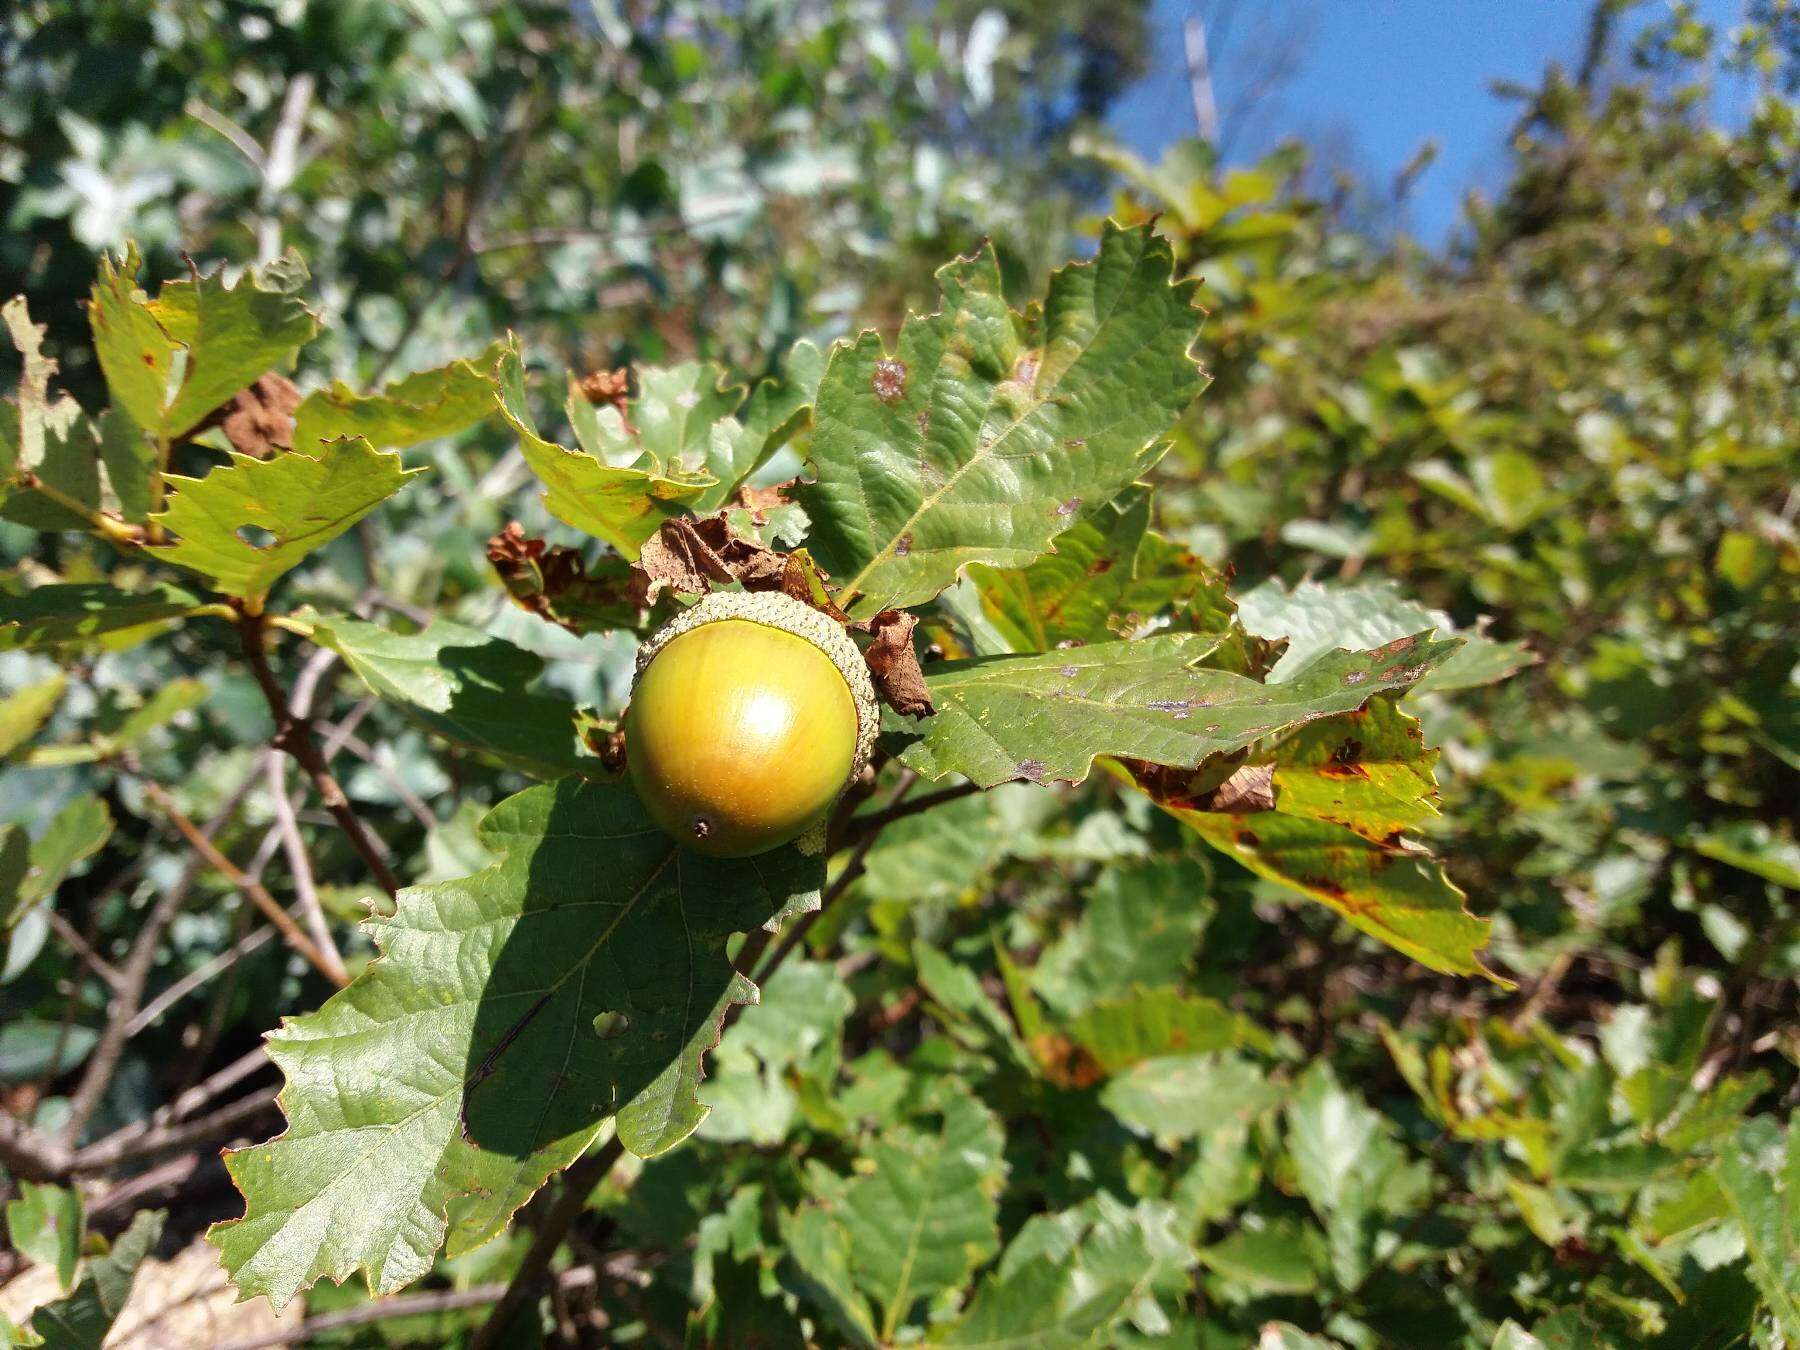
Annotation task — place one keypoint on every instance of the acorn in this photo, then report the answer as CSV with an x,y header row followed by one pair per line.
x,y
750,713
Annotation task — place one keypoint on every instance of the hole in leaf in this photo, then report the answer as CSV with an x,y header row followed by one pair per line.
x,y
256,536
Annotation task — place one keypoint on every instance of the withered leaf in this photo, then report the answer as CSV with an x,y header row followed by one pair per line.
x,y
895,665
258,420
555,583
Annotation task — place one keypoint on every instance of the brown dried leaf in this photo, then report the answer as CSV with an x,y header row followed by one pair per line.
x,y
554,582
259,420
894,665
607,387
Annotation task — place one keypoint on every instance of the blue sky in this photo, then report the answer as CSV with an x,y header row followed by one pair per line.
x,y
1371,81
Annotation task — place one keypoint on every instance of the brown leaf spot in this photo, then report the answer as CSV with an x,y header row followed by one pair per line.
x,y
889,380
1099,567
1025,369
1355,676
1074,443
1245,838
1065,1062
924,420
894,665
759,501
1070,672
1069,507
1399,646
903,546
1032,770
1251,788
606,387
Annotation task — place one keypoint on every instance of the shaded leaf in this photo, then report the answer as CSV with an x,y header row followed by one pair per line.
x,y
81,1321
468,687
1138,927
967,444
1129,1028
510,1013
61,614
1759,1172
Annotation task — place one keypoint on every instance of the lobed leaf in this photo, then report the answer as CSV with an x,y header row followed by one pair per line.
x,y
1394,892
1050,715
1314,618
302,502
468,687
421,407
971,442
77,613
510,1013
621,504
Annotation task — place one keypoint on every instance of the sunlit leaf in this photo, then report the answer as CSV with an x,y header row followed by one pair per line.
x,y
420,407
967,444
299,502
510,1014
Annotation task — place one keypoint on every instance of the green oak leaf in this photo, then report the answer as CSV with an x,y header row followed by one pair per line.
x,y
31,871
976,442
1759,1172
1104,950
1050,715
621,504
1177,1097
920,1215
1394,891
80,613
47,1223
1345,1163
225,335
22,715
1314,618
50,454
81,1321
468,687
510,1013
301,501
1368,770
1147,1023
421,407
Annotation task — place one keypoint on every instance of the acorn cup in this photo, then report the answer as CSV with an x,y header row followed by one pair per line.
x,y
749,714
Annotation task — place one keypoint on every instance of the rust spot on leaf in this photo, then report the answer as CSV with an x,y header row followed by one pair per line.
x,y
1246,839
1355,676
1074,443
1069,507
924,420
889,380
1031,769
1026,368
903,545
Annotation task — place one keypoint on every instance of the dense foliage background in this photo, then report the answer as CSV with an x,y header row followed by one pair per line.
x,y
1574,431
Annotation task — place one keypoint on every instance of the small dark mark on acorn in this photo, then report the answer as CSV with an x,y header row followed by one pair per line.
x,y
702,827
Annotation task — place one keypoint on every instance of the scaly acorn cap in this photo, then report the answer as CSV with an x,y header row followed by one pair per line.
x,y
776,610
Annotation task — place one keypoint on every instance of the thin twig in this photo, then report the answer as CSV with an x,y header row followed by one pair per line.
x,y
109,1153
306,891
293,734
381,1310
255,891
108,973
876,821
186,1103
136,970
26,1151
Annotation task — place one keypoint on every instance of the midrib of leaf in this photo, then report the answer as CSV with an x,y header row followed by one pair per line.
x,y
989,451
512,1033
900,1302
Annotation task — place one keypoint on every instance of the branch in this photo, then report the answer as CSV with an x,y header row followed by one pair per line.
x,y
26,1151
136,970
306,891
254,890
405,1305
875,822
293,734
174,1138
